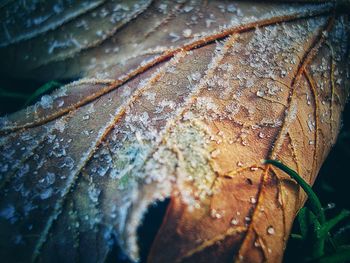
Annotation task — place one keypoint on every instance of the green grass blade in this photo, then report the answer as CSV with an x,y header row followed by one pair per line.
x,y
326,227
296,236
49,86
315,203
318,242
303,221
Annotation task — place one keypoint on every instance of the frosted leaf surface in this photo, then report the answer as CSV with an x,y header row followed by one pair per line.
x,y
183,109
71,48
22,20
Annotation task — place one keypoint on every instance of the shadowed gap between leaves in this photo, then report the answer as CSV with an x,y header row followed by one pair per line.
x,y
15,93
146,233
151,223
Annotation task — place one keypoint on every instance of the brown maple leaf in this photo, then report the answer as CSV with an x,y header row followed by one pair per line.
x,y
178,100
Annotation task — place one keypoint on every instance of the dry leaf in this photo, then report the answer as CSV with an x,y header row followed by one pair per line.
x,y
183,101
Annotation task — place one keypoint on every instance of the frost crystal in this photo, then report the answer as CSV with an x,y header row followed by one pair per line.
x,y
46,102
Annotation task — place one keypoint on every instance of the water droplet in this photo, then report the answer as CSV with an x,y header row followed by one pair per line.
x,y
254,168
261,135
270,230
260,93
252,200
187,32
234,221
329,206
99,33
215,214
218,216
46,102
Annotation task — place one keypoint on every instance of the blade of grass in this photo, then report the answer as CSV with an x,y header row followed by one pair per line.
x,y
318,242
303,221
342,236
49,86
315,203
326,227
296,236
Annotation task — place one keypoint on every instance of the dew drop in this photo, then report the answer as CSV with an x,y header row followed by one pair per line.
x,y
254,168
187,32
215,214
261,135
218,216
253,200
260,93
270,230
46,102
234,221
330,206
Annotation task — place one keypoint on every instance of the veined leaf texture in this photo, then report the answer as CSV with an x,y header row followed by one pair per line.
x,y
176,99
